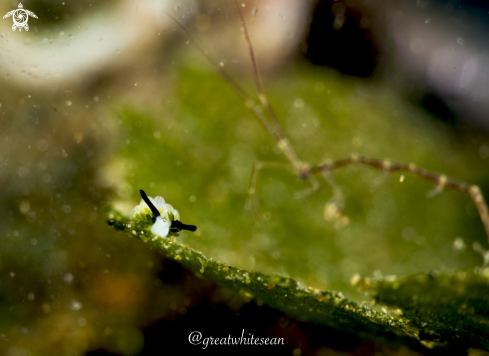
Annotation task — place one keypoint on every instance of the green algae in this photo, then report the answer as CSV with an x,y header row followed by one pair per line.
x,y
445,307
286,294
197,150
435,309
200,151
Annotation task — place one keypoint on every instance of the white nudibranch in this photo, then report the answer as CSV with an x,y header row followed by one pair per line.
x,y
165,219
166,211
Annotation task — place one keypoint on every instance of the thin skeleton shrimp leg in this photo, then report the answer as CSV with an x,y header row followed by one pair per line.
x,y
277,132
304,193
304,170
271,124
441,180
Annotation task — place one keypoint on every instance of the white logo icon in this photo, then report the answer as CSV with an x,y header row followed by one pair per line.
x,y
20,17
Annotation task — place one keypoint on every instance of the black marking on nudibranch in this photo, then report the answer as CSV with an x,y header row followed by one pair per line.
x,y
175,225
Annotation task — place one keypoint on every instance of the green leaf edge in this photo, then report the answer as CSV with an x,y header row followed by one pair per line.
x,y
327,308
446,307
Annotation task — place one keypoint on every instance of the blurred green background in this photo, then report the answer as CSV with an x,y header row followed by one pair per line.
x,y
165,122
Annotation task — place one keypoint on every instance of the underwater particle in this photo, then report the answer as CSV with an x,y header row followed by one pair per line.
x,y
458,244
75,305
68,278
355,279
24,207
298,103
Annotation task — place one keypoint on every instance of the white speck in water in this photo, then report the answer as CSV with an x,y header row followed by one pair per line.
x,y
136,84
68,103
458,244
68,278
298,103
75,305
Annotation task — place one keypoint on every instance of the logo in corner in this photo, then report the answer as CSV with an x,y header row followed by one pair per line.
x,y
20,17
